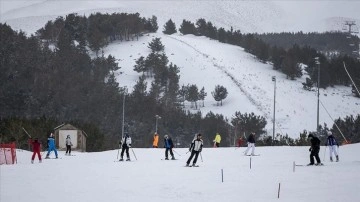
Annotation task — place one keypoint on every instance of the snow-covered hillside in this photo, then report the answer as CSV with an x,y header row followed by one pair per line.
x,y
248,15
207,63
94,177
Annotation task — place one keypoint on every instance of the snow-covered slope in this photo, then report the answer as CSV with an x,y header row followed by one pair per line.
x,y
207,63
94,177
248,16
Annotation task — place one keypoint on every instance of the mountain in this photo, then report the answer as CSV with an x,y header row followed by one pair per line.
x,y
207,63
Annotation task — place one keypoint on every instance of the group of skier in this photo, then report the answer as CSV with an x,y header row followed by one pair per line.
x,y
195,147
36,147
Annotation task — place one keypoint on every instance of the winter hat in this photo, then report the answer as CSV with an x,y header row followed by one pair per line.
x,y
329,133
199,135
166,136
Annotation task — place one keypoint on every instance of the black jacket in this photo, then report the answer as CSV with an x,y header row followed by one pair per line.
x,y
315,142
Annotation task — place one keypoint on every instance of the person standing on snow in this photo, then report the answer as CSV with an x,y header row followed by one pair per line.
x,y
314,150
168,144
251,144
217,140
68,144
51,146
125,144
156,140
36,147
195,149
332,143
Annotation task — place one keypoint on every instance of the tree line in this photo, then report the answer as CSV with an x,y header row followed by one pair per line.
x,y
288,56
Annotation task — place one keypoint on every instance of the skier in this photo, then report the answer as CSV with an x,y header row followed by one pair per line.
x,y
125,144
251,144
68,145
51,146
195,149
240,142
217,140
332,143
314,150
168,144
156,140
36,147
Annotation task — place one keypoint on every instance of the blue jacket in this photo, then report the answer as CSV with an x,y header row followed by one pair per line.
x,y
168,143
51,142
331,141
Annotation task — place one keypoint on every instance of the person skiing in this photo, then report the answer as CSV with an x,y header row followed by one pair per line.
x,y
168,144
332,143
51,146
217,140
68,144
195,149
125,144
240,142
155,140
36,147
251,144
314,150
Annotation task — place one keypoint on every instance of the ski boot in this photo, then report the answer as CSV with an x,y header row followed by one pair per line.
x,y
337,158
173,158
319,164
166,158
128,159
47,157
121,159
331,159
40,161
187,165
310,164
32,161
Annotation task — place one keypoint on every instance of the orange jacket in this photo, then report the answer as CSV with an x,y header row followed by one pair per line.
x,y
156,140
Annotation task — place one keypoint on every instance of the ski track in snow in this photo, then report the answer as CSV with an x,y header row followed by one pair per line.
x,y
212,60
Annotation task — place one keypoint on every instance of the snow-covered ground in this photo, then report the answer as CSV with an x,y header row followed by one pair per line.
x,y
94,177
207,63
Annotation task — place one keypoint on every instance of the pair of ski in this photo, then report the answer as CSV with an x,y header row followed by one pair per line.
x,y
321,164
191,165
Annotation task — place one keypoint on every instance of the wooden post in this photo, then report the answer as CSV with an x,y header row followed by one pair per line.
x,y
222,175
250,162
279,191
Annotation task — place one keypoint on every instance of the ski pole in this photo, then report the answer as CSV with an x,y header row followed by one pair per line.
x,y
201,157
118,152
133,152
176,152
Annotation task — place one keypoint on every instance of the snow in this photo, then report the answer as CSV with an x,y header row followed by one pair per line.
x,y
94,177
208,63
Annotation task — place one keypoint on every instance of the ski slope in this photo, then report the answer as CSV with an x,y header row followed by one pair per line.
x,y
94,177
208,63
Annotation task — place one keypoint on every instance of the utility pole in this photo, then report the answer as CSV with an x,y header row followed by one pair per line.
x,y
350,31
274,80
318,94
156,124
123,118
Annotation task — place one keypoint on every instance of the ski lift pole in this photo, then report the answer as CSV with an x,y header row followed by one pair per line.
x,y
351,79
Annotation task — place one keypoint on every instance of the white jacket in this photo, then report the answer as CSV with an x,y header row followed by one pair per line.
x,y
128,141
68,141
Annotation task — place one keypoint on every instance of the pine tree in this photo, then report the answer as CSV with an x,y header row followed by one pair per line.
x,y
219,94
169,27
192,94
187,27
155,45
202,95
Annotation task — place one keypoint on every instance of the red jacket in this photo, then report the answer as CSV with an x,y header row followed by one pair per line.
x,y
36,145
